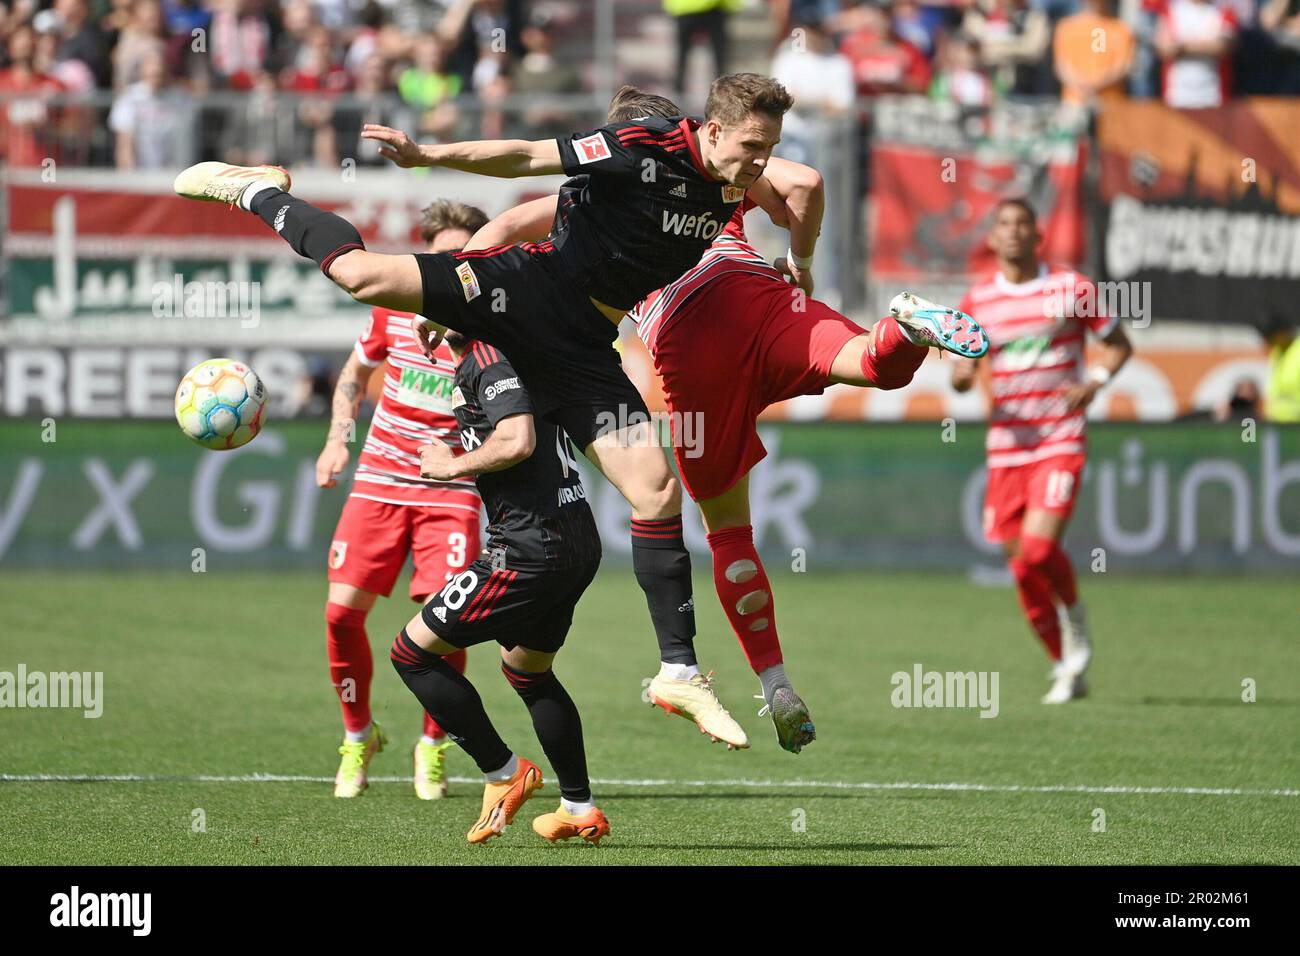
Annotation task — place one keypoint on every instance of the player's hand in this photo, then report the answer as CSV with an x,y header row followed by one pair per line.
x,y
1081,395
963,375
438,462
803,278
333,459
428,335
396,145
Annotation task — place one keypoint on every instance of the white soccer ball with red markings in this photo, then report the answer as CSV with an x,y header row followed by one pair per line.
x,y
221,404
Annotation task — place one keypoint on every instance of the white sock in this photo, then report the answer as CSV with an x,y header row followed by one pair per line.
x,y
772,678
678,671
356,736
575,808
426,739
246,197
505,773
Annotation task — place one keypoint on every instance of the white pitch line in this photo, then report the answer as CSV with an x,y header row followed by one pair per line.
x,y
751,784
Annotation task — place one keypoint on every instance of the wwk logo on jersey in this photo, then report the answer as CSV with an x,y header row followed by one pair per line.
x,y
468,282
505,385
591,148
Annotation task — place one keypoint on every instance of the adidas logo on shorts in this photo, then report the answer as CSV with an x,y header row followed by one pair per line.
x,y
441,614
679,191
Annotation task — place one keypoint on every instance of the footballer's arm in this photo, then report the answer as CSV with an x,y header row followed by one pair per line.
x,y
963,374
527,222
794,196
344,408
1115,351
512,441
504,158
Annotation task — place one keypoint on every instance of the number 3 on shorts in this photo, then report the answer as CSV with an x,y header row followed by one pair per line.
x,y
459,588
1060,485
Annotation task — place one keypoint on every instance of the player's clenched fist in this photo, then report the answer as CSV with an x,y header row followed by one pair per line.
x,y
428,334
331,463
398,147
437,461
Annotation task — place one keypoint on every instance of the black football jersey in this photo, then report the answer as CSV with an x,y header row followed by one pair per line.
x,y
537,509
646,211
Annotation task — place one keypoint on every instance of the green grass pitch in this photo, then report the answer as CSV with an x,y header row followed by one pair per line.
x,y
223,674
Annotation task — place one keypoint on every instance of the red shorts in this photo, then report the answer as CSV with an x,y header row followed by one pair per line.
x,y
1048,485
737,346
373,538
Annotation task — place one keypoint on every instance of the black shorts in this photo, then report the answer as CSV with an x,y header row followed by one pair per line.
x,y
531,609
561,345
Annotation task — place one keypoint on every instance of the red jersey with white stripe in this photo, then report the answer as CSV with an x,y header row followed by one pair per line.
x,y
1036,335
414,409
730,252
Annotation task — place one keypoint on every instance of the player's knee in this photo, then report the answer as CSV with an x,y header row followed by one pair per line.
x,y
1035,552
658,496
351,273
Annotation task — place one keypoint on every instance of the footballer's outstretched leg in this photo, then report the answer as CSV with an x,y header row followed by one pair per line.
x,y
329,240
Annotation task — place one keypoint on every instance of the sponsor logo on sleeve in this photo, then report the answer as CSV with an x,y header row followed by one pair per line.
x,y
496,388
591,148
457,397
468,282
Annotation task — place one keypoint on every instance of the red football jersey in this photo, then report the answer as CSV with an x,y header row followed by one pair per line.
x,y
414,409
1036,336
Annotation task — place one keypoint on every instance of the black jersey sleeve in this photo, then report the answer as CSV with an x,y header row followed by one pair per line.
x,y
500,391
617,149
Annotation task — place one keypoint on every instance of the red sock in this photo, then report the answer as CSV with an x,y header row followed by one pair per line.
x,y
431,726
350,661
1036,599
895,359
1054,564
746,596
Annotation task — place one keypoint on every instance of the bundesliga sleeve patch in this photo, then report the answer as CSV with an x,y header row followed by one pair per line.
x,y
468,282
591,148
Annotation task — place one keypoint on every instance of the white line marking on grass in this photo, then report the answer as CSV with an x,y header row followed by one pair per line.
x,y
750,784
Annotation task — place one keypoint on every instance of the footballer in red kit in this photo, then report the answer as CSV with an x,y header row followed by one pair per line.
x,y
392,512
1037,319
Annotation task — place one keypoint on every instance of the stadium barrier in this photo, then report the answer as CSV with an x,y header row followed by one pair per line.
x,y
1155,498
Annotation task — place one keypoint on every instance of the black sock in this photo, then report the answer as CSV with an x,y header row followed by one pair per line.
x,y
319,235
452,701
558,728
663,569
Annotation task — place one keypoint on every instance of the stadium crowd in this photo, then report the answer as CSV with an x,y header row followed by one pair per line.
x,y
113,81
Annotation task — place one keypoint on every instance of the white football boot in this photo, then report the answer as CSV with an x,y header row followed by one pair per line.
x,y
1076,647
1066,686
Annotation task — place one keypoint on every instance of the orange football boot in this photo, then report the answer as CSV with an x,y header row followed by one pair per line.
x,y
501,801
561,825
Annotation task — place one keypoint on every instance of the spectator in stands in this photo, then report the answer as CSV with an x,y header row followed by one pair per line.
x,y
786,13
317,73
183,17
25,113
1195,40
140,39
474,30
958,77
257,126
151,121
882,63
918,25
239,43
1244,402
81,38
1013,42
1093,53
1280,19
694,17
818,76
297,21
1282,395
425,86
539,73
372,103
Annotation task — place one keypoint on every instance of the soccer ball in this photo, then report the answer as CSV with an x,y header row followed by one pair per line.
x,y
221,404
